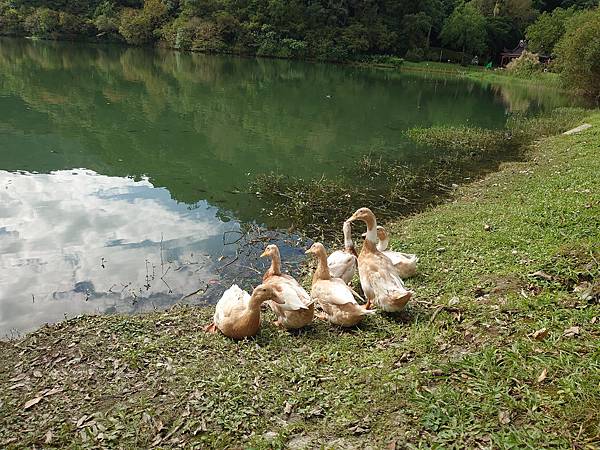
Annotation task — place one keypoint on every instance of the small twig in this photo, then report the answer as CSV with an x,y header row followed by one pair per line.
x,y
203,290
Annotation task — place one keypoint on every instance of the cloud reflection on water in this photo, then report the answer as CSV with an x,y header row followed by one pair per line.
x,y
57,230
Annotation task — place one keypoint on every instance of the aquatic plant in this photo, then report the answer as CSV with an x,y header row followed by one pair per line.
x,y
317,207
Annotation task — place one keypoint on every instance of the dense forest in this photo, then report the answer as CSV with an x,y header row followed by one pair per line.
x,y
332,30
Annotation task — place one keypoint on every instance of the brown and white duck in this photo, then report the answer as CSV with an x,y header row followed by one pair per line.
x,y
343,263
405,263
379,279
237,314
297,309
333,294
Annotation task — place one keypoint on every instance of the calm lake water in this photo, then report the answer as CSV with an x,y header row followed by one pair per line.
x,y
123,171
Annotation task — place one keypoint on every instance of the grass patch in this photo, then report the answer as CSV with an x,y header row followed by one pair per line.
x,y
478,73
462,367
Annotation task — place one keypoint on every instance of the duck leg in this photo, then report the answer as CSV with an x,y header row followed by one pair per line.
x,y
212,328
369,304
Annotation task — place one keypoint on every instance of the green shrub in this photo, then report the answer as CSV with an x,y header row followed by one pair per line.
x,y
11,23
138,26
207,37
106,18
578,52
42,22
526,65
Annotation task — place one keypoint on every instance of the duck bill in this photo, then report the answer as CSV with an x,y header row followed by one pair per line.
x,y
263,254
307,252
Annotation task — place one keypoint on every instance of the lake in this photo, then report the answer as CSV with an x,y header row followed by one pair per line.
x,y
124,172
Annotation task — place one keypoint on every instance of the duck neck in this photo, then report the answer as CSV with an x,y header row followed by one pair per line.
x,y
348,244
275,269
382,245
371,229
322,271
254,303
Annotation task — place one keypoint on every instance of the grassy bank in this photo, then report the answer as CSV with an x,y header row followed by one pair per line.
x,y
499,349
478,73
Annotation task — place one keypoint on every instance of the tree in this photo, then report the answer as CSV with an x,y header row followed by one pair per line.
x,y
137,26
546,31
578,52
465,30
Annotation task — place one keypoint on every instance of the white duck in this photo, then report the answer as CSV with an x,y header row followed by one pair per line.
x,y
378,276
405,263
333,294
298,309
343,263
237,314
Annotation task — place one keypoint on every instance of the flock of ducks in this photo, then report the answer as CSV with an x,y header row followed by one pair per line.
x,y
237,314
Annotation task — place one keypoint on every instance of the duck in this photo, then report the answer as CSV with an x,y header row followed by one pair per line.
x,y
379,279
237,314
343,263
333,294
405,263
298,309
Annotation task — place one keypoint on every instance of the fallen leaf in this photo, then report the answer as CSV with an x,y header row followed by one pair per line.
x,y
453,301
540,274
81,420
48,437
594,319
18,378
540,334
288,408
37,374
570,332
53,391
357,429
504,417
33,401
542,375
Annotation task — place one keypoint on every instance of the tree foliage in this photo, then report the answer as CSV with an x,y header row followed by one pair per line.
x,y
465,29
547,30
337,30
578,52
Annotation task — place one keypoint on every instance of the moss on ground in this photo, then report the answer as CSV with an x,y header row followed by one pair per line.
x,y
499,349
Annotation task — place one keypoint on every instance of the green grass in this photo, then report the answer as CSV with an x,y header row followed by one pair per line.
x,y
459,368
478,73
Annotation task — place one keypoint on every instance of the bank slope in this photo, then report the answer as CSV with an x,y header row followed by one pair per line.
x,y
501,347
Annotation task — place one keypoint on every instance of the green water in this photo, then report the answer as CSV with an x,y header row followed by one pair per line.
x,y
121,168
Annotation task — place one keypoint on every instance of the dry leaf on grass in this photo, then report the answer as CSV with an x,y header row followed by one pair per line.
x,y
33,401
504,417
542,375
542,275
570,332
540,334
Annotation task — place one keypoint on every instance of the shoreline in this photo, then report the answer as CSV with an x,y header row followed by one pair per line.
x,y
548,80
499,347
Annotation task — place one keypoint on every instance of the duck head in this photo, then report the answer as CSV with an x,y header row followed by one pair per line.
x,y
366,215
264,292
271,250
316,249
